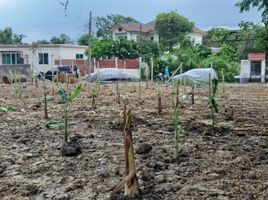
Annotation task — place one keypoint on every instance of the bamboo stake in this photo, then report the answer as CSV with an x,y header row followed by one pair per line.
x,y
193,94
45,99
177,94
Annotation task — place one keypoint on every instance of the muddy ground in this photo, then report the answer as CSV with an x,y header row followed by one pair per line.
x,y
228,163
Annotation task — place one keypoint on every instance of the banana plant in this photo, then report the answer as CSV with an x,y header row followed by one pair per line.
x,y
212,101
68,99
177,129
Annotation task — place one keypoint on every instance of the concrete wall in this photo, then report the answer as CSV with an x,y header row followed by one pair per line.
x,y
244,71
195,38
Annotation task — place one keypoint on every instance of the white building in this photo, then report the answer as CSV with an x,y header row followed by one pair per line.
x,y
133,31
254,69
40,57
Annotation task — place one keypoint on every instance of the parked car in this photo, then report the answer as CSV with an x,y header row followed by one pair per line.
x,y
55,70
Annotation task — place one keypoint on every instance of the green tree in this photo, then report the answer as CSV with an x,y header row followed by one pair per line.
x,y
216,37
149,49
172,28
245,5
83,40
107,48
104,24
41,42
226,59
62,39
7,37
251,40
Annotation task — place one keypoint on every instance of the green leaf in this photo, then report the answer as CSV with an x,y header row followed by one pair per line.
x,y
7,108
53,124
63,94
3,109
75,93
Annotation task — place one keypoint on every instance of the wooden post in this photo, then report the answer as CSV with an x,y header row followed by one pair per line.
x,y
45,100
139,91
193,94
159,100
223,82
177,94
89,44
184,84
209,84
181,74
152,70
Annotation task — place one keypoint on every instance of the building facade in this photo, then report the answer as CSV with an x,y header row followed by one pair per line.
x,y
40,57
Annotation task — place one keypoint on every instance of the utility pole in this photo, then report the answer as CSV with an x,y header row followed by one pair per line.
x,y
89,45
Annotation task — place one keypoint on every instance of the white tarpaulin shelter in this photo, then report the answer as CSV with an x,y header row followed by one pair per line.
x,y
107,74
199,75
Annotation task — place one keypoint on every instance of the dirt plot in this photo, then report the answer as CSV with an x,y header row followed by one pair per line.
x,y
230,163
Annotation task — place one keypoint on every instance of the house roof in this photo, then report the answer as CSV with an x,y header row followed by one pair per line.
x,y
199,31
146,28
256,56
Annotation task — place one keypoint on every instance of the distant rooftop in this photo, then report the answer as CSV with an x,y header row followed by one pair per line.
x,y
41,46
148,27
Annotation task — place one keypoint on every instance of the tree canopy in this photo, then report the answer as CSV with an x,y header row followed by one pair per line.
x,y
83,39
262,5
61,39
7,37
172,28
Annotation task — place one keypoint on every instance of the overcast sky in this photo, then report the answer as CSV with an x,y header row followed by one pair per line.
x,y
42,19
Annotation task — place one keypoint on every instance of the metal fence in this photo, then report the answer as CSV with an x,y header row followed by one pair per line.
x,y
24,69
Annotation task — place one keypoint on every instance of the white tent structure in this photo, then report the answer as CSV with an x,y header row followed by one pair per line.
x,y
198,75
107,74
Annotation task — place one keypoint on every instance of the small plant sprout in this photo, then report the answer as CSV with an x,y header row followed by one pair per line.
x,y
98,85
15,81
159,100
68,99
94,96
212,101
177,130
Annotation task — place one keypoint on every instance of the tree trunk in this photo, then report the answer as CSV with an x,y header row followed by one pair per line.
x,y
131,187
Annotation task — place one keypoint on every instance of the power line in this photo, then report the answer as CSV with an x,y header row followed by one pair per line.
x,y
47,26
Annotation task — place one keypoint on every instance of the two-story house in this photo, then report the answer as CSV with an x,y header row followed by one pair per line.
x,y
133,31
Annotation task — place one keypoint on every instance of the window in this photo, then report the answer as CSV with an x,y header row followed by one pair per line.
x,y
10,58
43,58
79,56
119,29
152,38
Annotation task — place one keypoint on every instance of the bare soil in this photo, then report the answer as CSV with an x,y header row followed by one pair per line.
x,y
229,162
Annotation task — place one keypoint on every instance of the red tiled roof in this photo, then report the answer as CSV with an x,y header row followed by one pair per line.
x,y
199,31
256,56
